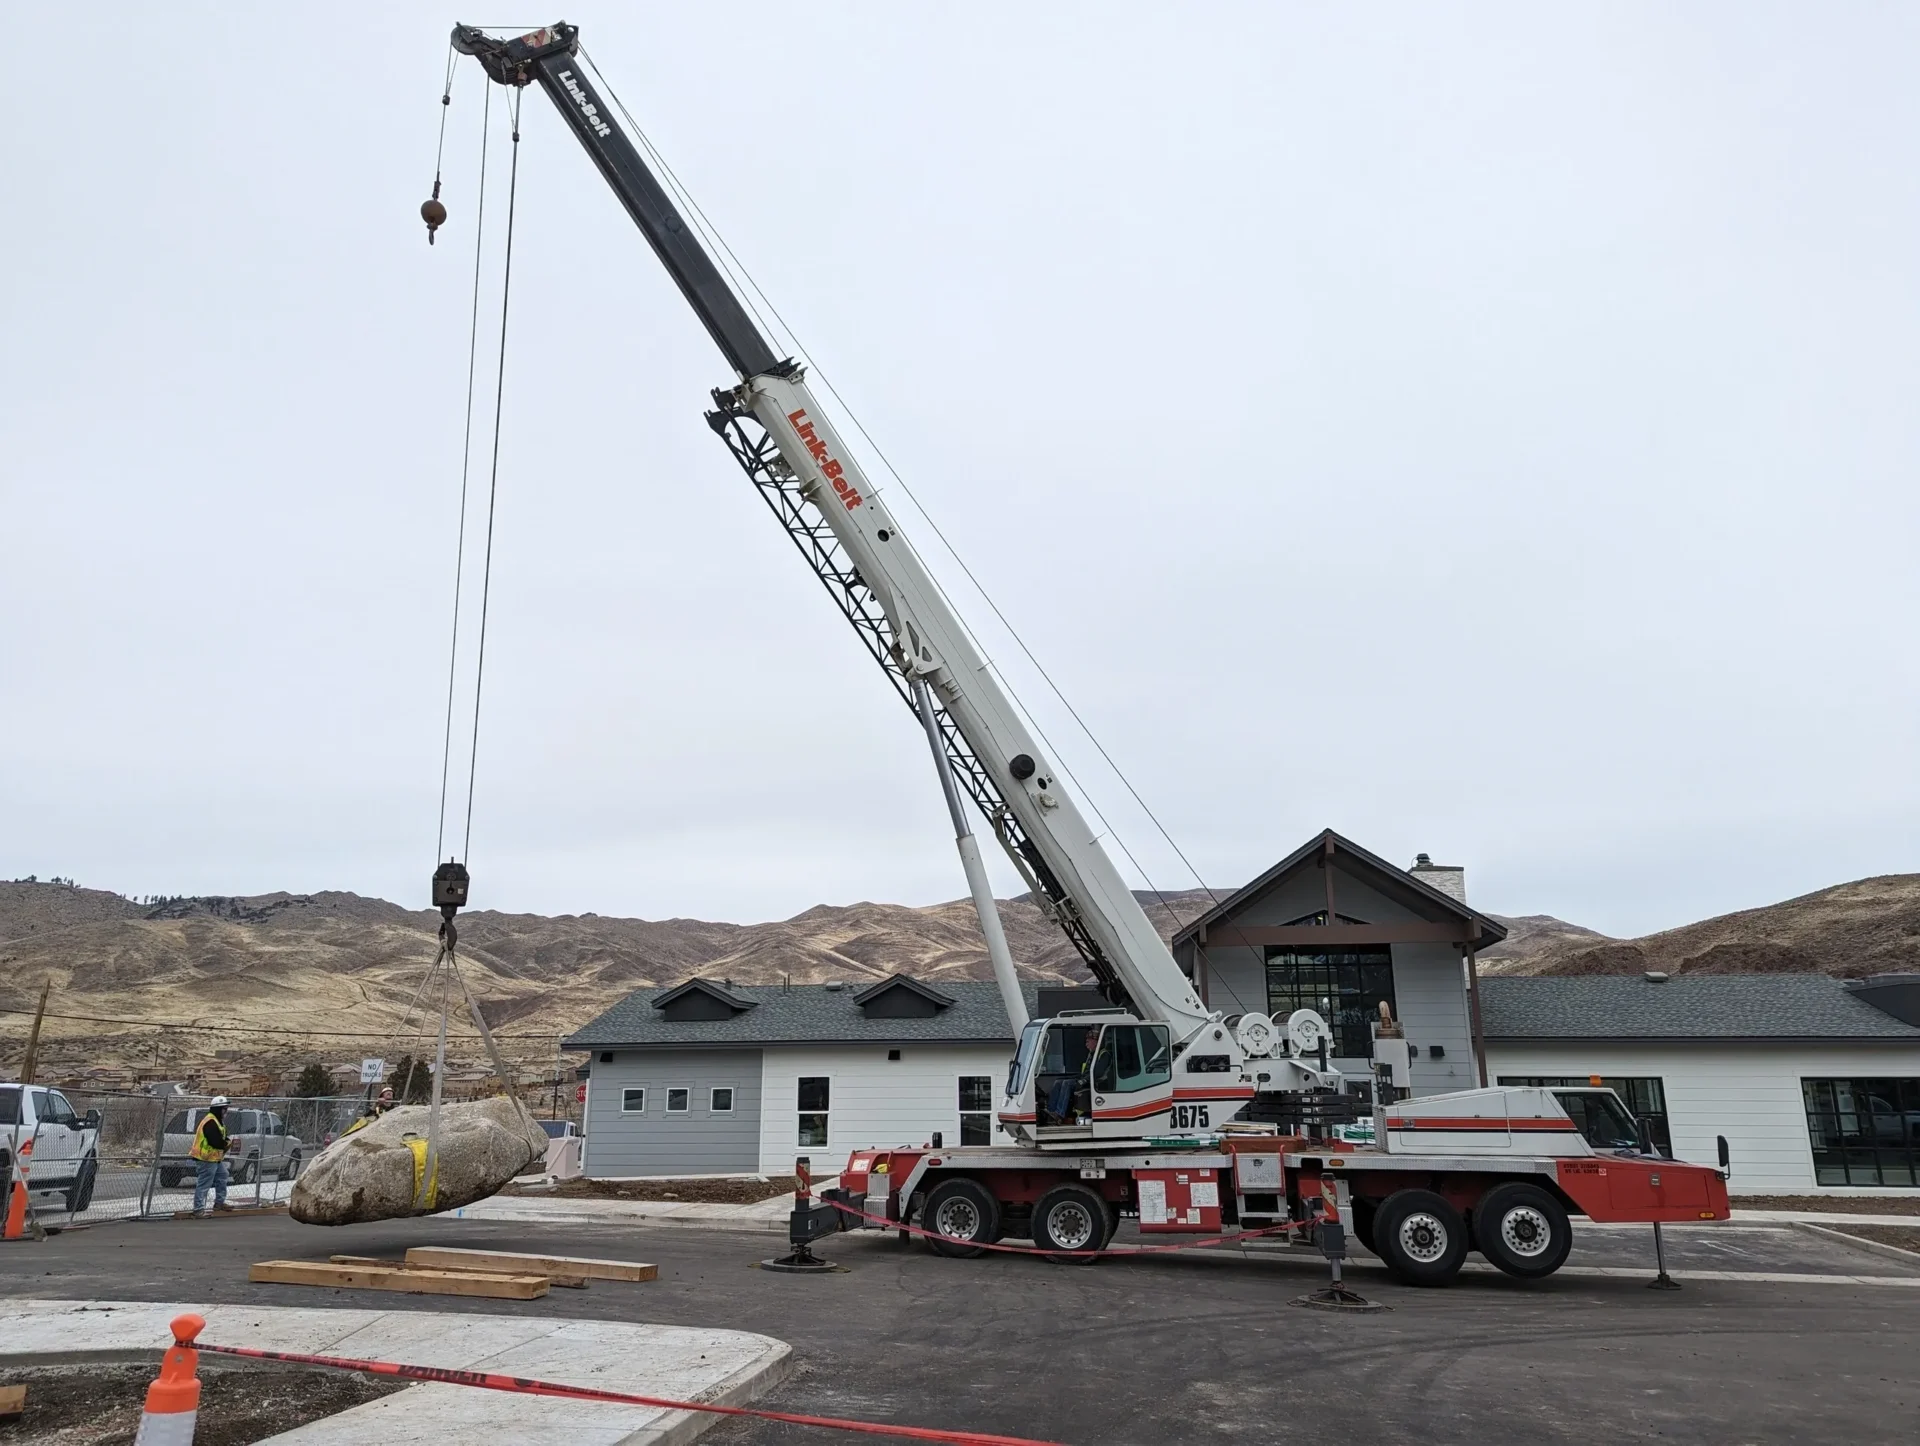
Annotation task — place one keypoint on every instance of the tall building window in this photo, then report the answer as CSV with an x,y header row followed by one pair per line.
x,y
815,1092
1864,1131
976,1109
1346,985
1645,1098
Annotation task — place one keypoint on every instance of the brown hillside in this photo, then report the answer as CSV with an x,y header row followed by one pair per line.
x,y
246,972
1870,926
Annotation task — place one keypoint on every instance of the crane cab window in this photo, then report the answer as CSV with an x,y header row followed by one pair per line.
x,y
1602,1120
1133,1057
1060,1087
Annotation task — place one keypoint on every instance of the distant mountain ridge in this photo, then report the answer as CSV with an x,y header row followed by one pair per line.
x,y
343,962
1868,926
349,965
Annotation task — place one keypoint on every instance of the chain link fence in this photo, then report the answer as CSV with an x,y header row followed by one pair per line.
x,y
128,1156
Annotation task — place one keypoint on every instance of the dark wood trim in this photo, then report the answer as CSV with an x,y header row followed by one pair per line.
x,y
1228,936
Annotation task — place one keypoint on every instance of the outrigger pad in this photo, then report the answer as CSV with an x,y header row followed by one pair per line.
x,y
375,1172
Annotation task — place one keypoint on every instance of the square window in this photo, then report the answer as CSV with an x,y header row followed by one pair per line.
x,y
679,1101
814,1092
813,1130
976,1091
721,1101
976,1130
633,1101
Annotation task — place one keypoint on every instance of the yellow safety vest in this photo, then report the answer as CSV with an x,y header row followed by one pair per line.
x,y
200,1149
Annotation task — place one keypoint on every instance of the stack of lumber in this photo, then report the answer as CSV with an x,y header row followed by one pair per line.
x,y
435,1270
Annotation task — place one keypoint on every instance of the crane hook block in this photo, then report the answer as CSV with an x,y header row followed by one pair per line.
x,y
450,888
435,215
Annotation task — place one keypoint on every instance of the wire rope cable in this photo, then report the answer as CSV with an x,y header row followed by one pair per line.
x,y
493,480
466,460
749,285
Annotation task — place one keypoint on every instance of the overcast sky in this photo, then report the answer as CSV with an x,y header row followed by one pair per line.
x,y
1482,430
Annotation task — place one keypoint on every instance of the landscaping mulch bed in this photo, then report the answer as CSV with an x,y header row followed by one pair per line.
x,y
100,1405
1836,1204
710,1192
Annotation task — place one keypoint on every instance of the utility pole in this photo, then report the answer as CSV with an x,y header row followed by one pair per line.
x,y
28,1065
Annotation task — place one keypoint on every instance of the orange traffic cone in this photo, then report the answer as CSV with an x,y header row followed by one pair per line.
x,y
173,1401
16,1226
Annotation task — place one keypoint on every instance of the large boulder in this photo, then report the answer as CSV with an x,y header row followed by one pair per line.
x,y
372,1174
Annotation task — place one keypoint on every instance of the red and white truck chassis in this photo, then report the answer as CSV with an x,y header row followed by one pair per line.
x,y
1494,1170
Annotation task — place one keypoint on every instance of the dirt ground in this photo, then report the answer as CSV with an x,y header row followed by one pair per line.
x,y
100,1405
711,1192
1837,1204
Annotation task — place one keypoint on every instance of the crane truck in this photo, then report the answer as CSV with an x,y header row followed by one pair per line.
x,y
1153,1105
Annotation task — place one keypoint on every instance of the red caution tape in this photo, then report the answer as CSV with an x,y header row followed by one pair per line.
x,y
1129,1250
523,1386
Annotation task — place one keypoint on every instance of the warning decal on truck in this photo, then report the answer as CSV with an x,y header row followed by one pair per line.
x,y
1153,1202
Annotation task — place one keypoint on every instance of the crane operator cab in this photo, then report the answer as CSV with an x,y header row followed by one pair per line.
x,y
1104,1074
1093,1074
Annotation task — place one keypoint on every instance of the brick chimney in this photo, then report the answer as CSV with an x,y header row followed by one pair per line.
x,y
1449,879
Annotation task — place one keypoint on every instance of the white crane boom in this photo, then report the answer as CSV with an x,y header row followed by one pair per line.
x,y
779,433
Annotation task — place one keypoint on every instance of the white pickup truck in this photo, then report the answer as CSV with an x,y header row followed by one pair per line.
x,y
66,1145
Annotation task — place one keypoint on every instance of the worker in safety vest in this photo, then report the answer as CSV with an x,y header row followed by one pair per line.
x,y
209,1152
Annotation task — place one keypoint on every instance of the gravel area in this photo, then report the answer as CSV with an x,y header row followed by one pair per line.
x,y
100,1405
1837,1204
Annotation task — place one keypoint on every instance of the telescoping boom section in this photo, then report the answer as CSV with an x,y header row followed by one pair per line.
x,y
1176,1065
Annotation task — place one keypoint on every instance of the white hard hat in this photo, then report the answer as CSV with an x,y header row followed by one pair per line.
x,y
217,1102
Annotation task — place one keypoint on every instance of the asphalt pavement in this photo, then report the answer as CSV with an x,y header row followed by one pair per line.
x,y
1191,1347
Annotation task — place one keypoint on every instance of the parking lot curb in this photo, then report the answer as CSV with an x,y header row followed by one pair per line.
x,y
726,1367
1858,1242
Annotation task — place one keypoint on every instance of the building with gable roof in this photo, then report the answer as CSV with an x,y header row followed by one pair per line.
x,y
1335,928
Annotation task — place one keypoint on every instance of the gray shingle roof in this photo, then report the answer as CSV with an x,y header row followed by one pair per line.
x,y
807,1013
1687,1006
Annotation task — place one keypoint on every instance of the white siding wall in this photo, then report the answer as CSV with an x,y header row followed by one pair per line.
x,y
1429,980
874,1101
1749,1093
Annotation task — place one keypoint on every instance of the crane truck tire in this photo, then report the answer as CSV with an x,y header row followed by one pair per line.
x,y
1364,1212
1071,1217
963,1216
1422,1238
1523,1230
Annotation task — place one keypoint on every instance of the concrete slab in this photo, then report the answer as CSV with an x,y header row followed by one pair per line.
x,y
725,1367
764,1215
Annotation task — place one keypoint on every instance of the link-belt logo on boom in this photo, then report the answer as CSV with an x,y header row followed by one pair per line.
x,y
587,107
832,468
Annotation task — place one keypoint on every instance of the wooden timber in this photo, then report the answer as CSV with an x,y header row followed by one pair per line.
x,y
411,1282
568,1282
445,1257
13,1400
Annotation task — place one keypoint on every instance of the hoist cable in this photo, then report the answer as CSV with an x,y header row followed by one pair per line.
x,y
446,103
720,243
466,459
493,481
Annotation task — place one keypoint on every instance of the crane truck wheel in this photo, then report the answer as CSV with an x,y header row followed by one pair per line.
x,y
1364,1212
1523,1230
1422,1238
1071,1217
964,1218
